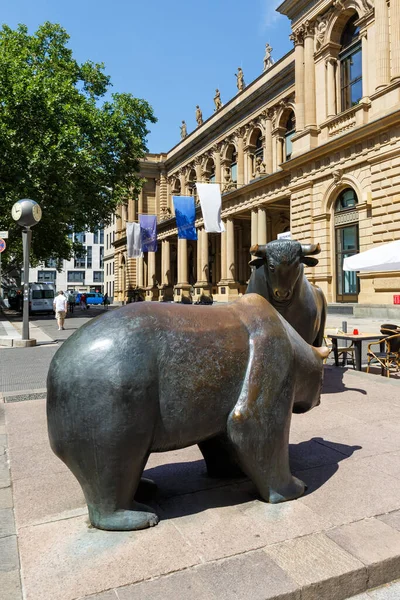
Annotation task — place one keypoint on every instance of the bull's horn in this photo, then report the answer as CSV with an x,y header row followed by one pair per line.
x,y
258,250
310,249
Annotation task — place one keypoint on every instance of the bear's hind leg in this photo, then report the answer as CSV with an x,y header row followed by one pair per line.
x,y
110,499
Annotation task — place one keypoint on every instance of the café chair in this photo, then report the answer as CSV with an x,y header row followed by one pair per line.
x,y
346,352
390,357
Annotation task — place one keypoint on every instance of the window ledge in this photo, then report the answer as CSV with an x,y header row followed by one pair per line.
x,y
348,119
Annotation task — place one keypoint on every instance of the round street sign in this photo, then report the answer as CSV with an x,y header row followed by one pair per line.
x,y
2,245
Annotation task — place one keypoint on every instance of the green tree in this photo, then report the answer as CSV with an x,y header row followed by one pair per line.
x,y
61,142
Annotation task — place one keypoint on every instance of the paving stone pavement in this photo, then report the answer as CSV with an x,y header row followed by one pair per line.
x,y
215,540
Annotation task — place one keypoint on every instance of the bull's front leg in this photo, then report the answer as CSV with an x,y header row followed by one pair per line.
x,y
261,443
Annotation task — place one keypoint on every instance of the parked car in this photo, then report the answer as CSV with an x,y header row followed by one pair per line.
x,y
91,298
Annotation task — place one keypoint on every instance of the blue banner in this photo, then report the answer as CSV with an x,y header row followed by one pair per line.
x,y
148,233
185,214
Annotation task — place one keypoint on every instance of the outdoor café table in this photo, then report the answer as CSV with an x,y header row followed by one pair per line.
x,y
357,339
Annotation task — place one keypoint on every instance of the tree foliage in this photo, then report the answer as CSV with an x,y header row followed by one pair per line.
x,y
61,142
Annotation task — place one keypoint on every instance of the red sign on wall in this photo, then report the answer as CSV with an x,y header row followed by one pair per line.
x,y
396,299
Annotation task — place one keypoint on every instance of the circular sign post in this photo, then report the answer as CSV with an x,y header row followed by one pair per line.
x,y
2,248
26,213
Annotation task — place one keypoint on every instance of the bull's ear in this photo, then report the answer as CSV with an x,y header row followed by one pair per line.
x,y
257,262
310,262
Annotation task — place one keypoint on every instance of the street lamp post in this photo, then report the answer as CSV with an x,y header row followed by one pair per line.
x,y
26,213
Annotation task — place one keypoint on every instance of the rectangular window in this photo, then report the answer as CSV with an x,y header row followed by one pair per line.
x,y
98,276
76,276
89,257
113,268
351,75
47,275
96,237
80,237
234,172
101,257
101,232
51,263
80,262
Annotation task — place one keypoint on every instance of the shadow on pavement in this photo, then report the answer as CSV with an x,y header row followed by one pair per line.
x,y
334,384
317,460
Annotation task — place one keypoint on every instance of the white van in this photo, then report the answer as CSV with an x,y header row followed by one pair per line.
x,y
41,297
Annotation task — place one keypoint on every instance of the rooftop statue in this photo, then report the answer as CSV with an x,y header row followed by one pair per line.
x,y
217,99
153,377
183,130
240,80
268,60
199,116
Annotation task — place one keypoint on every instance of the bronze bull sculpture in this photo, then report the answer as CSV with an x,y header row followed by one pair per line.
x,y
153,378
279,277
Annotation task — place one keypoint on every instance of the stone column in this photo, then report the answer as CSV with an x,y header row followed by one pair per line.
x,y
139,271
182,177
240,159
182,262
241,271
158,196
230,250
132,210
274,153
309,75
169,195
331,85
382,46
165,261
254,227
365,66
395,38
141,202
199,264
118,222
204,256
262,226
223,252
217,163
268,159
198,169
163,191
298,39
151,269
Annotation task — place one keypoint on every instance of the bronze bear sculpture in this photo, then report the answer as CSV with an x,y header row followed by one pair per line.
x,y
157,377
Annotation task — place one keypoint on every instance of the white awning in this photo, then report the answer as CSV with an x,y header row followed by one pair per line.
x,y
381,258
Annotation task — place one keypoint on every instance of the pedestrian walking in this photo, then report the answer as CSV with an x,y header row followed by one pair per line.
x,y
83,301
71,302
60,306
105,300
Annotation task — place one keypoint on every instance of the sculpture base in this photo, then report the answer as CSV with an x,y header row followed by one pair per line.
x,y
228,290
182,290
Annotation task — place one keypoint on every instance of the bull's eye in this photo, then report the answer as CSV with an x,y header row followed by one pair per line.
x,y
272,268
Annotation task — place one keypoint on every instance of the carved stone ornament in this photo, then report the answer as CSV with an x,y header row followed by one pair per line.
x,y
320,31
260,167
337,176
309,28
297,36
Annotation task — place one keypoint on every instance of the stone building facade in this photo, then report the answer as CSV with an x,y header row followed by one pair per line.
x,y
312,146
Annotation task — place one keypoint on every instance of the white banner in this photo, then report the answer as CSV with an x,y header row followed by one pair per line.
x,y
210,201
133,240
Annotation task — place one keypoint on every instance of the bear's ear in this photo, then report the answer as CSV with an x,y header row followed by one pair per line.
x,y
257,262
309,261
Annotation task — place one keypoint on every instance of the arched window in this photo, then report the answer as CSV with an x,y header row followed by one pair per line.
x,y
290,131
259,151
233,166
347,243
351,64
212,178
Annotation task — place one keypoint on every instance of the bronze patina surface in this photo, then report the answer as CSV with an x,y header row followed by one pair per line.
x,y
155,377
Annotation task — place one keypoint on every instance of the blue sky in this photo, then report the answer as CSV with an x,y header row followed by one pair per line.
x,y
174,54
